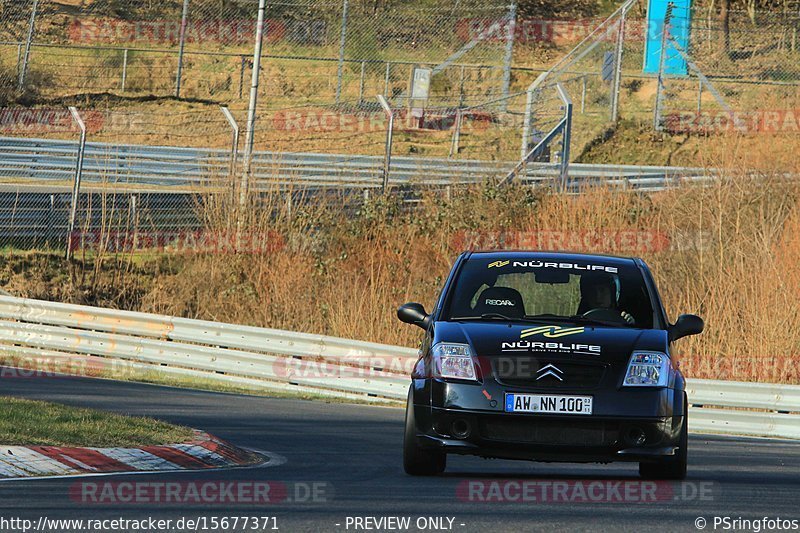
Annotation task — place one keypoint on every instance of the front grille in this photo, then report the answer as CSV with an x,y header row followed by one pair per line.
x,y
542,431
534,373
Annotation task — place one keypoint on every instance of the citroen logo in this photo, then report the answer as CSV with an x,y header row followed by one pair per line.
x,y
549,370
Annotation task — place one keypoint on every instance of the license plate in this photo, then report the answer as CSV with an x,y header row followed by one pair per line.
x,y
548,403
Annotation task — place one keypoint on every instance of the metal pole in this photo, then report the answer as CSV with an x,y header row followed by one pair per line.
x,y
387,159
251,111
386,78
19,59
241,77
699,96
566,135
182,42
618,68
234,140
583,95
660,82
461,88
509,58
28,42
76,184
124,68
526,125
342,42
456,134
361,83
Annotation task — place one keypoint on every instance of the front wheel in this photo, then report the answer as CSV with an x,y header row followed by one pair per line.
x,y
671,467
417,461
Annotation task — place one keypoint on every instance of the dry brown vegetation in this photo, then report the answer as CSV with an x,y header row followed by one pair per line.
x,y
728,251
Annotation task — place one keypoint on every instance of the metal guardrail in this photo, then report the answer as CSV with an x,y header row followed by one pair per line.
x,y
29,160
269,359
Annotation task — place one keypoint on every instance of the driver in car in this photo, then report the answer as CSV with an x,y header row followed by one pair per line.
x,y
599,291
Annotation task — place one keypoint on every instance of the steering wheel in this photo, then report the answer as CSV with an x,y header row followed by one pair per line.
x,y
604,314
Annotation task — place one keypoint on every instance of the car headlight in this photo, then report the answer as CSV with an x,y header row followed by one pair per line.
x,y
453,361
647,369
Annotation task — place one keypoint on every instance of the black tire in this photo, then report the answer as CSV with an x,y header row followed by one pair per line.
x,y
417,461
673,467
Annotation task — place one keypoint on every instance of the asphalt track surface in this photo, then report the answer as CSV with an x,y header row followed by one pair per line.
x,y
353,454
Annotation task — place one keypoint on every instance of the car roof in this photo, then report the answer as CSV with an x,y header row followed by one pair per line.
x,y
528,255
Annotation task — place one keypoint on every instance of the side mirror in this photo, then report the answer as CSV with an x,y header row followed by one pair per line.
x,y
686,325
413,313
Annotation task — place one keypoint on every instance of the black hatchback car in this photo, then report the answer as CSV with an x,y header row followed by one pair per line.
x,y
548,357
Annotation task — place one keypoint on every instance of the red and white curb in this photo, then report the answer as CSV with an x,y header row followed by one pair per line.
x,y
204,451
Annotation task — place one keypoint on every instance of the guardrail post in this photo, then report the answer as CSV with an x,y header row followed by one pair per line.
x,y
28,42
387,159
76,184
134,214
181,44
342,42
50,220
124,69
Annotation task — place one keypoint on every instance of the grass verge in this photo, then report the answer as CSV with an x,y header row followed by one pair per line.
x,y
30,423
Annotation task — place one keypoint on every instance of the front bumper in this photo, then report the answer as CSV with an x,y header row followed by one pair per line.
x,y
632,425
550,437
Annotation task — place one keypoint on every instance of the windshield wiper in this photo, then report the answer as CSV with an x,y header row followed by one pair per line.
x,y
498,316
577,319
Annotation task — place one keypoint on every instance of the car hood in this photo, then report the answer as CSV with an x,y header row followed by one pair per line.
x,y
495,338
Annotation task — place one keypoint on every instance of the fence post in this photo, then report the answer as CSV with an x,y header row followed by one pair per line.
x,y
566,135
618,68
181,43
583,94
241,76
509,57
461,87
361,83
76,184
124,68
342,42
526,124
699,96
28,42
19,59
234,140
456,134
386,79
660,82
387,158
251,111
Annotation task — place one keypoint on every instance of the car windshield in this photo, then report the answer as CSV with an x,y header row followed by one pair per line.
x,y
551,291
